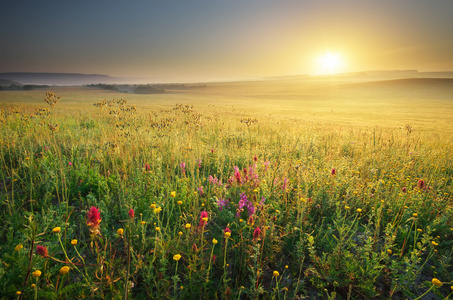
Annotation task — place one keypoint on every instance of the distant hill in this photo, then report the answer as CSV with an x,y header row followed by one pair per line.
x,y
413,83
60,78
7,82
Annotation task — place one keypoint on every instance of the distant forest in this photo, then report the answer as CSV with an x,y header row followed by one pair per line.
x,y
145,88
27,87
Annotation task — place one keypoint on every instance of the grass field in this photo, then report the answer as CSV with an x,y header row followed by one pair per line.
x,y
290,188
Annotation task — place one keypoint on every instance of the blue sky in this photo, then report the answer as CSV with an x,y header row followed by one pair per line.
x,y
169,40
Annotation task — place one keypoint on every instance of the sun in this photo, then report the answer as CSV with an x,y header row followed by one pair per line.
x,y
329,63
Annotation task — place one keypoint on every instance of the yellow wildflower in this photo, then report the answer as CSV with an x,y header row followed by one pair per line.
x,y
179,202
64,270
419,230
120,231
177,257
74,242
346,207
56,229
359,210
275,274
180,233
188,226
157,229
436,282
18,247
214,241
434,243
157,210
415,215
143,222
173,194
36,273
152,206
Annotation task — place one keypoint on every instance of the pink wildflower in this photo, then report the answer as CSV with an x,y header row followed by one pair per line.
x,y
94,219
131,213
256,233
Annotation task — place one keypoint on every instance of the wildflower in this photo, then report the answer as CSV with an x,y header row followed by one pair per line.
x,y
333,172
18,247
389,251
56,229
33,286
214,241
173,194
346,207
203,219
421,184
157,229
419,230
74,242
94,219
143,222
359,210
188,226
222,203
415,215
200,190
147,167
180,233
152,206
286,267
227,232
256,233
41,250
64,270
157,210
240,220
244,202
276,274
131,213
18,293
120,231
436,282
36,273
404,189
434,243
179,202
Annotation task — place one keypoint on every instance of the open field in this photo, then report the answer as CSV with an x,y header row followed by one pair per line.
x,y
293,188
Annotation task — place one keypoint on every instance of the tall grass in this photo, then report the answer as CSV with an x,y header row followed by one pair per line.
x,y
219,205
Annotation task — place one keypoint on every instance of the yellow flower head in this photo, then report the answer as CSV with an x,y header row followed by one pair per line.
x,y
18,293
157,210
177,257
64,270
415,215
214,241
152,206
56,229
436,282
276,274
434,243
419,230
74,242
179,202
18,247
157,228
180,233
33,286
173,194
36,273
346,207
120,231
143,222
359,210
389,251
188,226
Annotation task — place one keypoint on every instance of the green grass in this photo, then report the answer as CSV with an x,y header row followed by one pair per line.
x,y
380,228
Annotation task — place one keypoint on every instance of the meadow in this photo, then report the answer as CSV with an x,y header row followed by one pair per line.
x,y
290,188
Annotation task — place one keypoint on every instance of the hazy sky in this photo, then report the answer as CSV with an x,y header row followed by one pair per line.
x,y
222,39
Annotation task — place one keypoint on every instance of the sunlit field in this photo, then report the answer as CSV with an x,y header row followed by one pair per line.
x,y
291,188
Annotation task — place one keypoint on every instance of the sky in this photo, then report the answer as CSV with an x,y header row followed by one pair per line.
x,y
199,40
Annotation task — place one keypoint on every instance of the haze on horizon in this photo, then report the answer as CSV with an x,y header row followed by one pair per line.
x,y
220,40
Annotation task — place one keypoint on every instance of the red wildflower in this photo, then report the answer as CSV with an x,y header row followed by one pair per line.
x,y
203,219
421,184
404,190
256,233
94,219
333,172
147,167
131,213
41,250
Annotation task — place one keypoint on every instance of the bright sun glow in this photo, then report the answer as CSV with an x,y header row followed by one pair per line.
x,y
330,63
